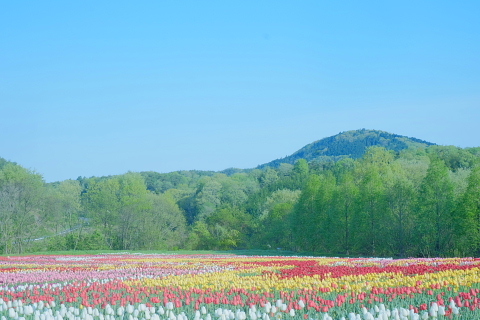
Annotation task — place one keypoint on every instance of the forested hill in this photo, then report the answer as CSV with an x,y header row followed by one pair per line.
x,y
349,144
422,200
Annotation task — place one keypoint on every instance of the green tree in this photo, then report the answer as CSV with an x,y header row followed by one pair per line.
x,y
208,197
346,197
230,228
401,198
133,206
269,176
64,205
303,229
325,222
454,157
435,208
285,169
301,169
200,237
102,203
21,203
371,222
163,226
274,230
467,218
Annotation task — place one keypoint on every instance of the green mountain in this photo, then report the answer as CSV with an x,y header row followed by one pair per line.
x,y
351,144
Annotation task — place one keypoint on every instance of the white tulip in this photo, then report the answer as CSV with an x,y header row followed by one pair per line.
x,y
455,310
197,315
120,311
441,310
301,303
12,313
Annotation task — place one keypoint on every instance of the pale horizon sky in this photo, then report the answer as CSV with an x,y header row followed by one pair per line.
x,y
98,88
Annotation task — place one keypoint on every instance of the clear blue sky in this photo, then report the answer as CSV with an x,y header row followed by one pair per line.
x,y
92,88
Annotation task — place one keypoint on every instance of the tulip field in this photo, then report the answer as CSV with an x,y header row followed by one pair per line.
x,y
227,287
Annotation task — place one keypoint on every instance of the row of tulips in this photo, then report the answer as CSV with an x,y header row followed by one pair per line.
x,y
227,287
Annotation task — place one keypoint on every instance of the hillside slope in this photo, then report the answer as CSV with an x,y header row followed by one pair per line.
x,y
349,144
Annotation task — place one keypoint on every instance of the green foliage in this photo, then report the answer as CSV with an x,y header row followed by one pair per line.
x,y
435,210
129,216
63,204
305,210
467,217
163,225
454,157
91,241
273,228
21,207
373,173
345,206
4,162
385,204
225,229
200,237
361,192
349,144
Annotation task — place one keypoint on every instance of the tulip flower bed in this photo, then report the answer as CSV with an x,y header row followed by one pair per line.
x,y
227,287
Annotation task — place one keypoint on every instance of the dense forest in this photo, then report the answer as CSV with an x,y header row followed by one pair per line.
x,y
378,194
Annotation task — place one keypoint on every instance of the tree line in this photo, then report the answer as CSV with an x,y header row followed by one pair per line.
x,y
413,202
